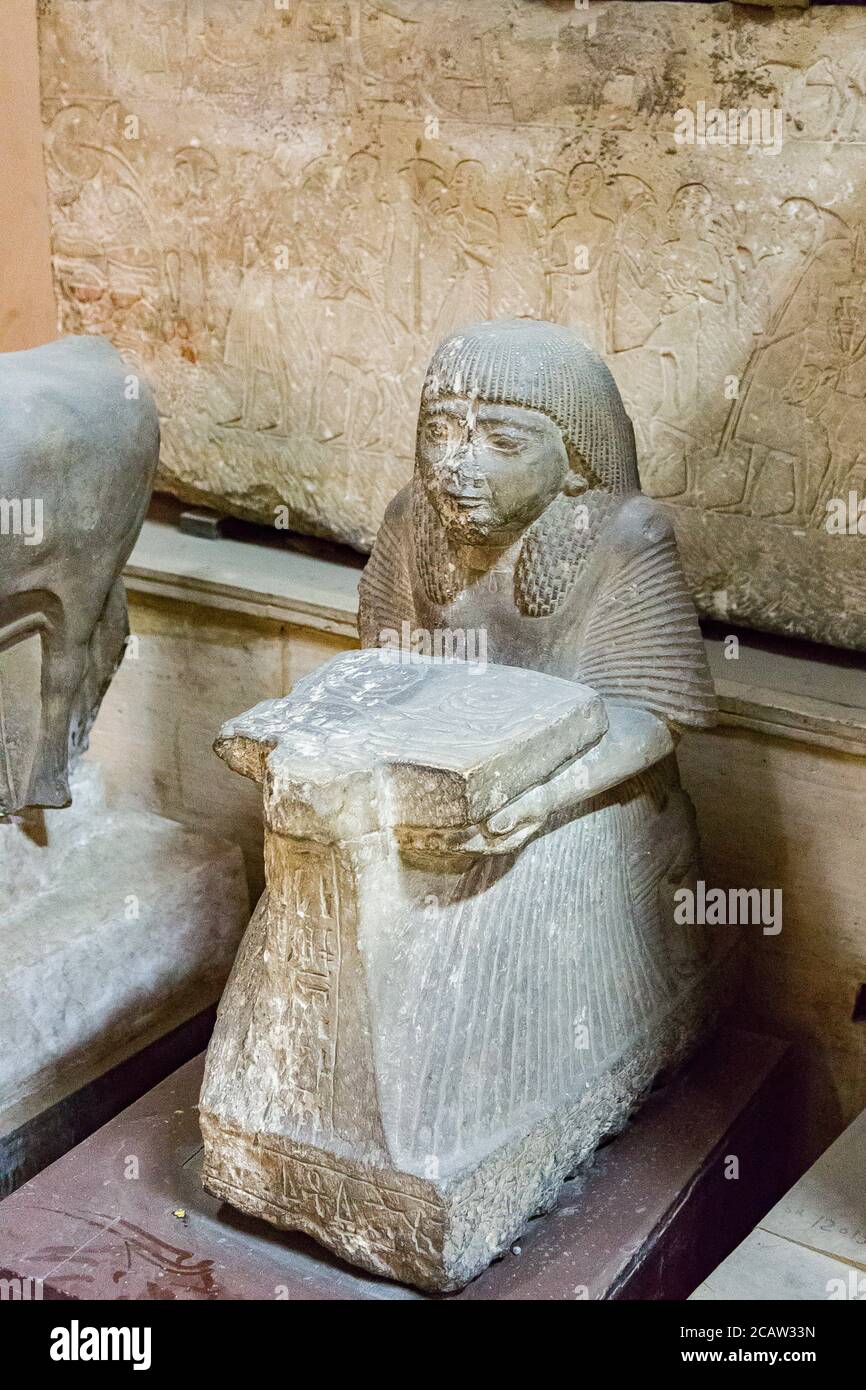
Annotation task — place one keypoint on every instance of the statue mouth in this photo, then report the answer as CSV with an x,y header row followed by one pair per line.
x,y
464,499
467,511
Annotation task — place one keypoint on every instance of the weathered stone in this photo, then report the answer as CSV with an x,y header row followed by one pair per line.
x,y
114,924
464,971
278,211
79,454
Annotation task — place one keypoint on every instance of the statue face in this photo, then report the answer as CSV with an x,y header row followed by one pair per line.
x,y
489,470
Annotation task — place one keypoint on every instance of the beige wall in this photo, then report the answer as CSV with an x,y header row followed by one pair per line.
x,y
775,813
27,310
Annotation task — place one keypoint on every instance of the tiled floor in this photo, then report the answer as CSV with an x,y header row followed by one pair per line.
x,y
812,1244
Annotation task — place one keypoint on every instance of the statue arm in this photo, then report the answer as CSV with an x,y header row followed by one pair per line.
x,y
641,648
634,741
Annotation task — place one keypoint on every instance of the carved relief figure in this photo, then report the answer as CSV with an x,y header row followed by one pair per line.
x,y
691,287
829,96
800,358
473,231
580,241
253,341
115,281
186,267
533,201
361,333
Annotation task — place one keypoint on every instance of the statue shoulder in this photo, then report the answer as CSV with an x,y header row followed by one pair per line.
x,y
398,513
640,642
639,523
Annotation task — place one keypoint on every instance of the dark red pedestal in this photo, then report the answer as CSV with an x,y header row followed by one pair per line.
x,y
123,1215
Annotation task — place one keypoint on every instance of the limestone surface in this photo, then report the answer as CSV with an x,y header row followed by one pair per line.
x,y
114,924
465,969
402,1063
277,212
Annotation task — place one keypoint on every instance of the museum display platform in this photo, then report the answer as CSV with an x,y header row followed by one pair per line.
x,y
124,1216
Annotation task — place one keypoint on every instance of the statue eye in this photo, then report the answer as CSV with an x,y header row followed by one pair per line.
x,y
436,433
504,443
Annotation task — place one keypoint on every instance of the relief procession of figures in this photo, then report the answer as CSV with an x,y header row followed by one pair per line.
x,y
276,208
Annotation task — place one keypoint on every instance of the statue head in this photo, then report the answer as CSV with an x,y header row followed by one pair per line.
x,y
516,413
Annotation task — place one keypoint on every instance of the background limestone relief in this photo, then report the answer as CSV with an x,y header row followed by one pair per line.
x,y
277,209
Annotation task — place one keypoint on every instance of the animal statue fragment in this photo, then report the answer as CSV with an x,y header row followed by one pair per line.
x,y
77,462
116,925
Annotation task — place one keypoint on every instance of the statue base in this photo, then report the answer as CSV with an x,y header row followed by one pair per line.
x,y
116,927
649,1218
424,1033
437,1235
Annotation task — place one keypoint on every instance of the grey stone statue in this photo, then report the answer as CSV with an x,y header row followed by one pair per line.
x,y
115,925
77,462
465,970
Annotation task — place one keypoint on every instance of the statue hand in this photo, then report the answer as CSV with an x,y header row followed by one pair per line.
x,y
635,739
468,843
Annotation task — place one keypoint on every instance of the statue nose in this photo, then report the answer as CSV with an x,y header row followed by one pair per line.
x,y
461,470
458,458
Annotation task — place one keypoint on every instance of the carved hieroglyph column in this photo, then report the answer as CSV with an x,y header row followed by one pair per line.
x,y
420,1038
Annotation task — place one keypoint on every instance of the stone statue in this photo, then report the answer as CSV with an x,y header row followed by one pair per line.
x,y
116,925
80,450
465,970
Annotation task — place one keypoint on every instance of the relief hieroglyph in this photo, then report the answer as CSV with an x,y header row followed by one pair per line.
x,y
276,210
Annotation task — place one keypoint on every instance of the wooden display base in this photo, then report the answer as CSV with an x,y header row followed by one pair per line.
x,y
123,1216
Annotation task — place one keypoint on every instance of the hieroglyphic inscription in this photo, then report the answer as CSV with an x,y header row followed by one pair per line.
x,y
304,956
355,1208
313,1189
276,211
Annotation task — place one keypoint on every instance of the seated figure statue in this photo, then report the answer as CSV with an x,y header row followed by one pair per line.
x,y
465,971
